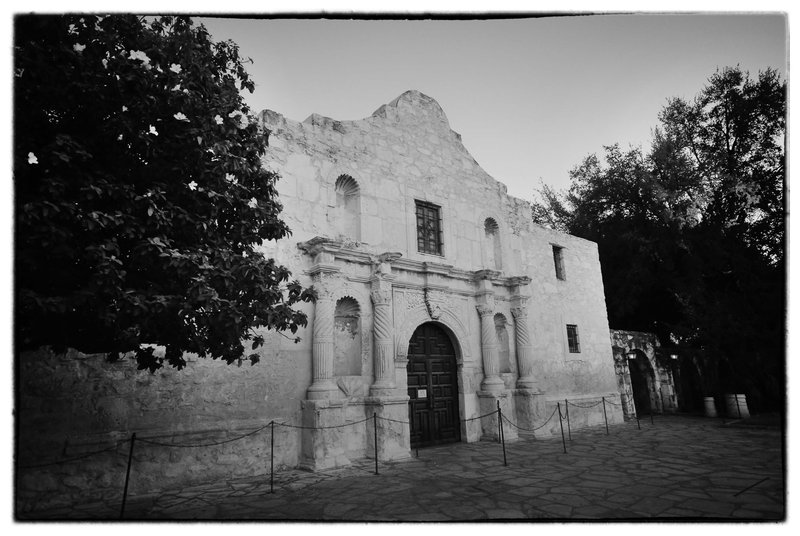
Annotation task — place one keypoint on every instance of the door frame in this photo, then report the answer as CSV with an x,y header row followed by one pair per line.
x,y
458,397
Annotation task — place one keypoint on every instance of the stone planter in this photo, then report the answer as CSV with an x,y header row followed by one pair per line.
x,y
736,406
710,408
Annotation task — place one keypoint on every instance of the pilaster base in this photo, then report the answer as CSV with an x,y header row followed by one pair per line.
x,y
323,390
382,389
487,402
394,435
323,447
531,413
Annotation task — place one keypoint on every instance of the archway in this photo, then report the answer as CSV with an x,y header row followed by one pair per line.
x,y
642,382
432,387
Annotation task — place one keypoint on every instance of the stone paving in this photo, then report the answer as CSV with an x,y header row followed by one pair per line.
x,y
676,469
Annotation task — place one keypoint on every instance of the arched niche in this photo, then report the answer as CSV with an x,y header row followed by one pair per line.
x,y
347,214
503,351
347,338
491,229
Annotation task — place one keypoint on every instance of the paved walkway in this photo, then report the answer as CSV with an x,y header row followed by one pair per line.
x,y
679,468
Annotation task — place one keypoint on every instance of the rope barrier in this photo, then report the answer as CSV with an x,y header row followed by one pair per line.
x,y
160,444
322,427
374,418
76,458
394,420
480,416
531,429
584,407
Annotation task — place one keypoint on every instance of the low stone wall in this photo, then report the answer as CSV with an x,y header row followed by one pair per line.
x,y
76,414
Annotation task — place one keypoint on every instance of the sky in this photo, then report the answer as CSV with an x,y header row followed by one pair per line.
x,y
531,97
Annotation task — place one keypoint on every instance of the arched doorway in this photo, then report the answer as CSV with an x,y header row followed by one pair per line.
x,y
642,383
432,387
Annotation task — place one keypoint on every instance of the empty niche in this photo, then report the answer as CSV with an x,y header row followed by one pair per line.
x,y
348,207
503,354
494,258
347,338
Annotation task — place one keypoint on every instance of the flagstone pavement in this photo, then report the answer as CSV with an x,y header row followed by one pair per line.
x,y
677,468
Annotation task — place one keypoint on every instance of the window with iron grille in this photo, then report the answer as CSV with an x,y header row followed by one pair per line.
x,y
558,260
572,339
429,228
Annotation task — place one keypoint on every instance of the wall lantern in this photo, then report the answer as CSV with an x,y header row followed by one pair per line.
x,y
674,356
631,355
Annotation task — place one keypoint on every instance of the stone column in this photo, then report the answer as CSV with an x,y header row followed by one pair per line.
x,y
524,346
323,385
383,351
383,326
491,362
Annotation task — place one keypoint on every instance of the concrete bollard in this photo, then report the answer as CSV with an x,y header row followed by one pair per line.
x,y
736,406
710,408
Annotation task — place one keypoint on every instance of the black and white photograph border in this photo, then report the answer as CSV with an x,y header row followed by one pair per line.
x,y
497,431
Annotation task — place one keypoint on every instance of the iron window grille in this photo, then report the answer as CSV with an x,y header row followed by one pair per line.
x,y
572,339
429,228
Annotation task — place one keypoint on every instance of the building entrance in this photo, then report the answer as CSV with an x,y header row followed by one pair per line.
x,y
432,387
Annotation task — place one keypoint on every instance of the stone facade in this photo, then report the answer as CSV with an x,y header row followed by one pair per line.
x,y
396,226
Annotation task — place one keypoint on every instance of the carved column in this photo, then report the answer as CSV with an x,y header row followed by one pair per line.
x,y
491,362
323,385
383,362
524,346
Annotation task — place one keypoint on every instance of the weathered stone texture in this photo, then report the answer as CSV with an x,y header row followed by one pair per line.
x,y
359,243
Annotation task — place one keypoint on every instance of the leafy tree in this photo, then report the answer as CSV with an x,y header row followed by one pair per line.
x,y
141,199
691,235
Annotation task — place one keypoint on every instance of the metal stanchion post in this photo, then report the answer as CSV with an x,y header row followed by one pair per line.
x,y
639,426
127,477
375,429
502,435
498,422
605,416
569,427
738,409
561,423
271,456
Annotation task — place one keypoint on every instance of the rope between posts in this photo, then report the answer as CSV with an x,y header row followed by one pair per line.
x,y
584,407
76,458
161,444
322,427
613,403
530,429
480,416
393,420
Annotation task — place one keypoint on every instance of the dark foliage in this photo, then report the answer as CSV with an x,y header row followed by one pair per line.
x,y
140,195
692,235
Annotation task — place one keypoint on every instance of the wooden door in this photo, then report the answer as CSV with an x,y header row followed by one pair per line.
x,y
432,388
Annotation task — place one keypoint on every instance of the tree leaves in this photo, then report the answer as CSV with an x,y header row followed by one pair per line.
x,y
691,234
135,225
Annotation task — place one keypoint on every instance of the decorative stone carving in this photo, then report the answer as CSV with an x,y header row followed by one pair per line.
x,y
383,331
322,353
434,308
524,346
491,381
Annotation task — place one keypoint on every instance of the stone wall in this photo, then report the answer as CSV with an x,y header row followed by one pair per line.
x,y
349,190
406,151
643,351
78,407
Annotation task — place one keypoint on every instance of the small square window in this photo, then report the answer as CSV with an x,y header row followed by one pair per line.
x,y
572,339
558,260
429,228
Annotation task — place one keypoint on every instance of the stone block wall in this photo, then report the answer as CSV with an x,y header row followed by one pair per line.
x,y
493,258
406,152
